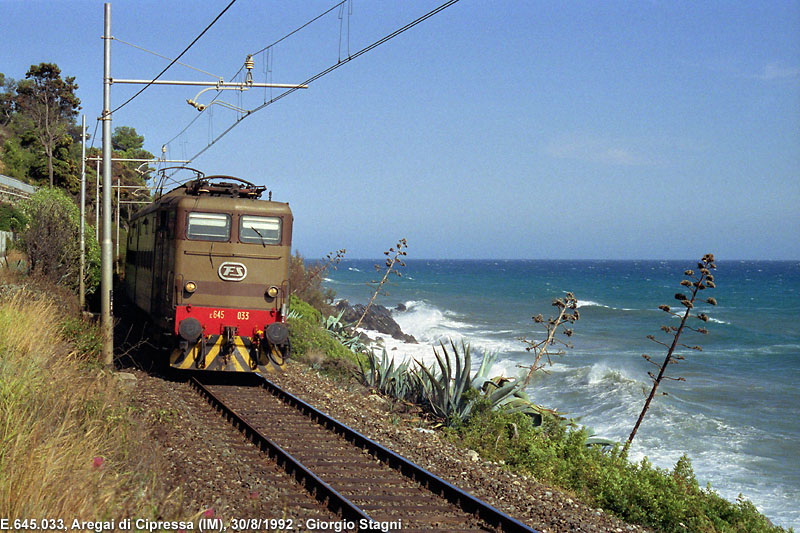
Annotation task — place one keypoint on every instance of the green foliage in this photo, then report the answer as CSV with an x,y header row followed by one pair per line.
x,y
384,377
450,392
343,333
444,391
126,140
11,218
46,106
52,240
556,453
19,159
306,280
312,344
84,335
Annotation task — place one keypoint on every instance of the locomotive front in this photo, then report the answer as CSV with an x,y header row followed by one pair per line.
x,y
231,270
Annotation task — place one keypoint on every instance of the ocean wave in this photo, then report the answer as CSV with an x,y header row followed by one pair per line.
x,y
604,373
592,303
432,326
353,269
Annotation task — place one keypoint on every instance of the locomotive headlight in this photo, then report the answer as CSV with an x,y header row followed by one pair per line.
x,y
190,287
272,292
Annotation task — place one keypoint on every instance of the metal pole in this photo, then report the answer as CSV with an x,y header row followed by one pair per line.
x,y
97,201
106,288
116,255
81,282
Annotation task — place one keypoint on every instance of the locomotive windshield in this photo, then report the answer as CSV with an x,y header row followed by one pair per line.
x,y
209,227
260,230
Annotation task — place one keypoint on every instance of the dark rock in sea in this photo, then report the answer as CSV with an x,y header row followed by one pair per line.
x,y
401,308
378,319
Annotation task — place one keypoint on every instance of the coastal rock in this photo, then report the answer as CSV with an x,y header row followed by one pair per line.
x,y
378,318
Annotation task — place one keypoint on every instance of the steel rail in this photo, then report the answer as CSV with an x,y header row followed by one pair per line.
x,y
468,503
319,488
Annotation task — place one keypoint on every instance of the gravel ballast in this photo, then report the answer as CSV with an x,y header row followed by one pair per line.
x,y
212,466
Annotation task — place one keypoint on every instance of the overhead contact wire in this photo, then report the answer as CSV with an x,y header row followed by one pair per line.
x,y
266,48
165,57
329,70
177,58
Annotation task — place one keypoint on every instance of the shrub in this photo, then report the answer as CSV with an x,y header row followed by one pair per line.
x,y
312,344
555,453
11,218
52,240
305,281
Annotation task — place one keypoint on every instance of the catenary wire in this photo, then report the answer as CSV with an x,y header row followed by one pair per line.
x,y
165,57
254,54
327,71
177,58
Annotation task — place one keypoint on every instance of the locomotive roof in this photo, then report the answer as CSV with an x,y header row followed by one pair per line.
x,y
217,196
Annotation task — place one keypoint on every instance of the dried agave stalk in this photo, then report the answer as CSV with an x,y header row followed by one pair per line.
x,y
392,262
541,348
697,283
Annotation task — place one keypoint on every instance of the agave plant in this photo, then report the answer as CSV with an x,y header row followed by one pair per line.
x,y
342,332
517,400
444,390
383,376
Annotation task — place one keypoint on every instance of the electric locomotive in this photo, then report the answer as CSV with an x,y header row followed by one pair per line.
x,y
209,263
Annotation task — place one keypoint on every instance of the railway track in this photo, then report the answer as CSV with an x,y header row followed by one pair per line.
x,y
368,485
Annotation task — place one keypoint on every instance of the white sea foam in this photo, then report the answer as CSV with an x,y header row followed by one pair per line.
x,y
605,373
592,303
606,395
431,325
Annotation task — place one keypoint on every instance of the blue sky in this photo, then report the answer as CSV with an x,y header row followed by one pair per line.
x,y
616,130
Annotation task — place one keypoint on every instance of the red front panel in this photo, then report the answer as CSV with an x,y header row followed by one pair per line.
x,y
215,319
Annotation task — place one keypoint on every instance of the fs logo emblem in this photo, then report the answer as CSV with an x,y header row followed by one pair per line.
x,y
230,271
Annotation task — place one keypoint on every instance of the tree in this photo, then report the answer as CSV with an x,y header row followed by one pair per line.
x,y
7,89
52,239
50,104
125,138
127,144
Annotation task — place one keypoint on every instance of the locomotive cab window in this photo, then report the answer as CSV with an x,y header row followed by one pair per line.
x,y
259,230
208,227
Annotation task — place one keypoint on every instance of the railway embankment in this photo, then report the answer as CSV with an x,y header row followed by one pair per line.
x,y
138,444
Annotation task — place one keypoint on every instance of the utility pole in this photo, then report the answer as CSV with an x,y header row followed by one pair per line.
x,y
106,248
82,282
106,281
116,254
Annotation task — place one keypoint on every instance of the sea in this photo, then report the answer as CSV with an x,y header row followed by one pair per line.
x,y
736,413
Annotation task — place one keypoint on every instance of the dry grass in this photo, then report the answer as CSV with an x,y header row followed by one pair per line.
x,y
67,446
